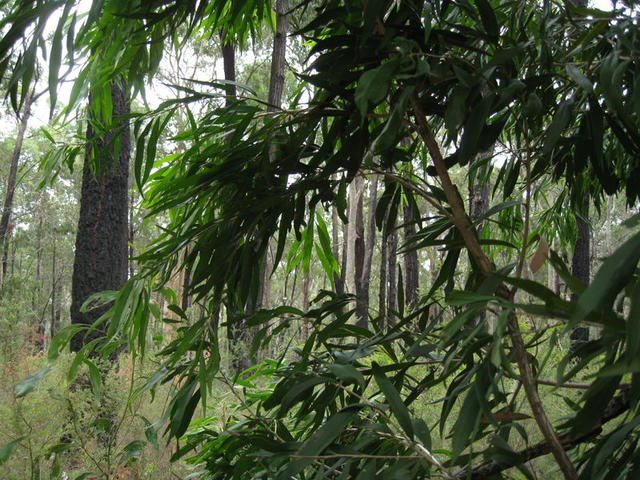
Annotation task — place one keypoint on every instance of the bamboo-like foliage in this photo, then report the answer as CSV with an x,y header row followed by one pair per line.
x,y
553,90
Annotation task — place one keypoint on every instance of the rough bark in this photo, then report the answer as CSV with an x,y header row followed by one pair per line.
x,y
382,292
478,197
392,272
229,66
10,188
100,261
581,265
276,89
278,56
411,270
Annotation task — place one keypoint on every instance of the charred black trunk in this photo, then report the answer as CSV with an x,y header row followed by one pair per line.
x,y
100,261
581,265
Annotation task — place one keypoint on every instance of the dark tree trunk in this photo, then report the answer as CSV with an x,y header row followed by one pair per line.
x,y
237,333
392,272
100,261
229,65
410,261
278,56
10,188
276,88
581,265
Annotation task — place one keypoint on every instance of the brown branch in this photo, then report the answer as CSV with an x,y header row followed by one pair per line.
x,y
616,407
470,238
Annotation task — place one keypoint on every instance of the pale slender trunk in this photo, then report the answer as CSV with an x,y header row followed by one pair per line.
x,y
306,285
10,188
392,272
354,233
365,279
335,226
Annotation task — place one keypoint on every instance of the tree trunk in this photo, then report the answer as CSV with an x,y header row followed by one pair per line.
x,y
10,189
392,272
276,88
229,65
132,233
478,206
100,261
365,279
278,56
335,226
411,270
38,320
55,291
306,286
359,248
5,259
237,333
384,261
580,265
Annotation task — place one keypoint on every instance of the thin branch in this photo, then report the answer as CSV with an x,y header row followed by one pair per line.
x,y
470,238
616,407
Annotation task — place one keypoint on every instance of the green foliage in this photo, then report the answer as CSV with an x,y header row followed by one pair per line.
x,y
550,92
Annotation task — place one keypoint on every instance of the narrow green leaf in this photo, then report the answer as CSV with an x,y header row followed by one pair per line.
x,y
397,406
558,124
28,384
6,449
347,373
320,440
610,279
132,450
95,378
579,77
374,85
488,18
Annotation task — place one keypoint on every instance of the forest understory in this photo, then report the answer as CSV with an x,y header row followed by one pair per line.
x,y
319,239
